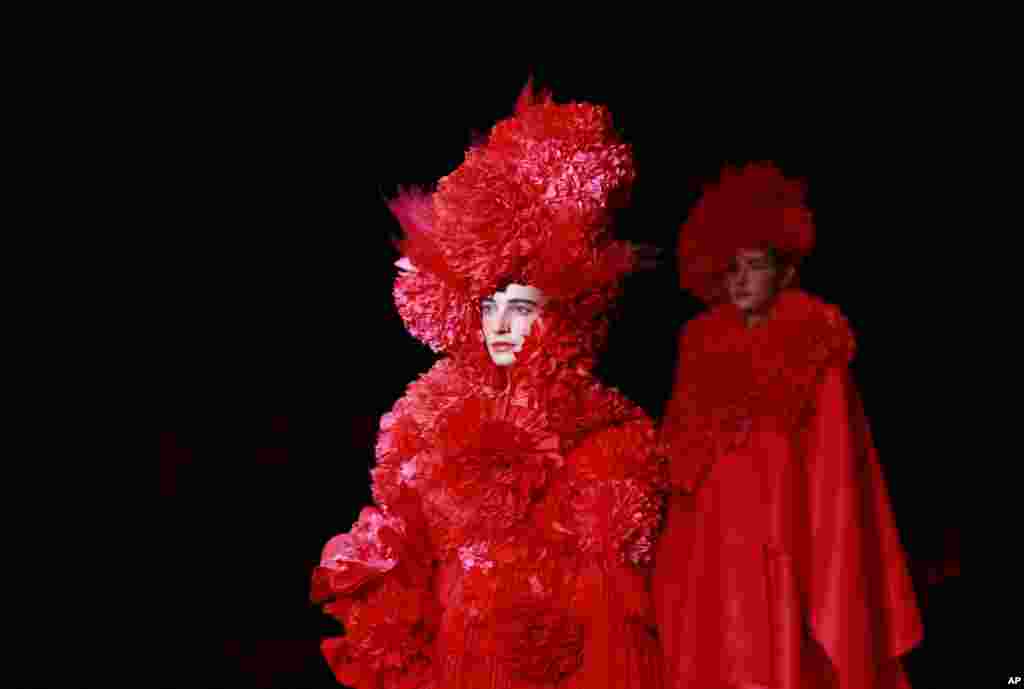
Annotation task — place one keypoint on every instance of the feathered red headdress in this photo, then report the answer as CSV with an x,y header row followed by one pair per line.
x,y
752,207
530,205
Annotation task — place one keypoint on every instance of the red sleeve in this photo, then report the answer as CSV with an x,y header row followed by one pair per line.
x,y
676,413
685,439
377,581
674,406
863,610
618,484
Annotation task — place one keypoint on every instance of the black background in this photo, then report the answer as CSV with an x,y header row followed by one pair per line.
x,y
277,347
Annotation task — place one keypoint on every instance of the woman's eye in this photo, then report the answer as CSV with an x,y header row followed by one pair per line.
x,y
524,310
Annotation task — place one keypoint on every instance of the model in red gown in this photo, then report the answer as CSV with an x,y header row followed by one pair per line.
x,y
516,497
779,565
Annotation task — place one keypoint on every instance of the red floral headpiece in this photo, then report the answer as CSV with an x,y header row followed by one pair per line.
x,y
531,205
752,207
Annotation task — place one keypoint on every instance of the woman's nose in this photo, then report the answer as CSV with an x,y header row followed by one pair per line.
x,y
500,322
504,323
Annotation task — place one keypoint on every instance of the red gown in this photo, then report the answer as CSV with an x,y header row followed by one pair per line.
x,y
510,542
780,565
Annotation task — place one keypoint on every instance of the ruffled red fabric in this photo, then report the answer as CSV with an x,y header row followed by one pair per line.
x,y
376,581
537,634
489,468
535,543
536,194
616,510
731,377
435,313
531,205
484,451
749,208
535,484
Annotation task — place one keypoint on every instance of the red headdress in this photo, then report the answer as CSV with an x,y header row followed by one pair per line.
x,y
531,205
749,208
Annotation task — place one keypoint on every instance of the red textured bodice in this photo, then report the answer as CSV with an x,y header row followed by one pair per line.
x,y
520,517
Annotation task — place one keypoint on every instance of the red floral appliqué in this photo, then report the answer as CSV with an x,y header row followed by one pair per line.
x,y
732,377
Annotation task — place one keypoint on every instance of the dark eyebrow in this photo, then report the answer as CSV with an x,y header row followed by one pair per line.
x,y
490,300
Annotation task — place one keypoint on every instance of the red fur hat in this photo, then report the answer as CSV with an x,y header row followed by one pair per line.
x,y
530,205
750,208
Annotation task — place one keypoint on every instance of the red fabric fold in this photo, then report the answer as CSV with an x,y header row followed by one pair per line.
x,y
784,567
862,607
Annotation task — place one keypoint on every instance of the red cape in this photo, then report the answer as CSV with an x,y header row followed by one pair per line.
x,y
780,564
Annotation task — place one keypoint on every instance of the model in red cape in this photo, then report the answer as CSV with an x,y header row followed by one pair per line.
x,y
516,497
779,565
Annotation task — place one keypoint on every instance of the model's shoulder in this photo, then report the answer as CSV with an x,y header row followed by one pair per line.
x,y
826,330
609,404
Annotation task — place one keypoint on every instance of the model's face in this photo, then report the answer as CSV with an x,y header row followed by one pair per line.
x,y
753,280
506,319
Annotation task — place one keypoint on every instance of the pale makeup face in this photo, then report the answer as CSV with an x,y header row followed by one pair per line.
x,y
506,319
753,281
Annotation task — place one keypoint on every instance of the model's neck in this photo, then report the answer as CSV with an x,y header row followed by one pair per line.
x,y
754,318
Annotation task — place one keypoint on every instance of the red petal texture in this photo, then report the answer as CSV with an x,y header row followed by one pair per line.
x,y
376,581
748,208
515,513
532,204
616,501
415,213
435,313
515,507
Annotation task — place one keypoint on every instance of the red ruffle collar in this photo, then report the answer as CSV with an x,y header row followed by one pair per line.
x,y
795,321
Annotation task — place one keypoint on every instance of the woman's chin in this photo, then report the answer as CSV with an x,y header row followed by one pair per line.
x,y
503,358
